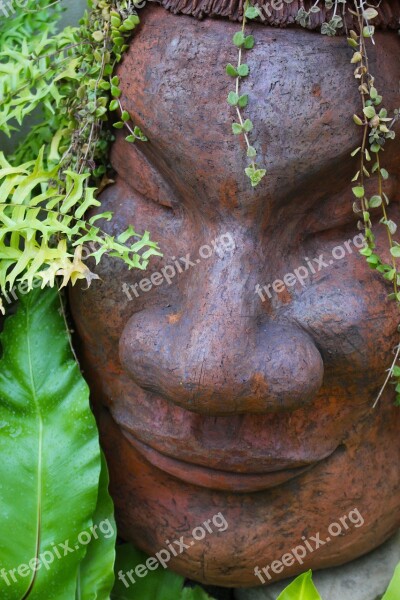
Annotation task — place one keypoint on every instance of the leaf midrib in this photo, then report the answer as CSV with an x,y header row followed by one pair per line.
x,y
40,452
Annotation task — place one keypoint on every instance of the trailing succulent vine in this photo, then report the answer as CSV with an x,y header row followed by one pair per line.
x,y
330,27
244,126
245,42
56,172
377,127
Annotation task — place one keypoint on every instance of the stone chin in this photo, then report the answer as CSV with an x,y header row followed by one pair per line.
x,y
154,507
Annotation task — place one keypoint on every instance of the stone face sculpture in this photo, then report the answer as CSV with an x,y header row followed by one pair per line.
x,y
229,386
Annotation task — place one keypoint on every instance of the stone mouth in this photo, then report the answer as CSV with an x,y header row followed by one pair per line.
x,y
217,479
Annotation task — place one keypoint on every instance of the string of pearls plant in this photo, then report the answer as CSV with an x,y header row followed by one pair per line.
x,y
377,126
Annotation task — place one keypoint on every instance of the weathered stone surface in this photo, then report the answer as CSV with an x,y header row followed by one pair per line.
x,y
211,398
363,579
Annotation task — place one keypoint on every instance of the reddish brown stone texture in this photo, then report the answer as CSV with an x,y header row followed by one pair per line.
x,y
219,401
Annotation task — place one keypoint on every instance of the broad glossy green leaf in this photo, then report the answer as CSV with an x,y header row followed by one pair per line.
x,y
96,571
393,591
160,584
50,456
302,588
155,584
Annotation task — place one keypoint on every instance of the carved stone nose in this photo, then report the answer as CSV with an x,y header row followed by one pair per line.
x,y
223,369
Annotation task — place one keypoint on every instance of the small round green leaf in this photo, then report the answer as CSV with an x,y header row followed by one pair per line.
x,y
247,125
395,251
243,101
375,201
230,69
249,42
252,12
370,13
359,191
239,39
243,70
368,31
369,112
115,21
373,93
98,36
233,98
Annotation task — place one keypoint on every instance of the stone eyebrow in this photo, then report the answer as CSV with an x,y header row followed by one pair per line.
x,y
140,173
280,13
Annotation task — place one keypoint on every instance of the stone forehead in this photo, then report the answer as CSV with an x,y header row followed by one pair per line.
x,y
282,13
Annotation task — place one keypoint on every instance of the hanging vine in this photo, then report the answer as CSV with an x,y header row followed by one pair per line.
x,y
377,128
240,101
